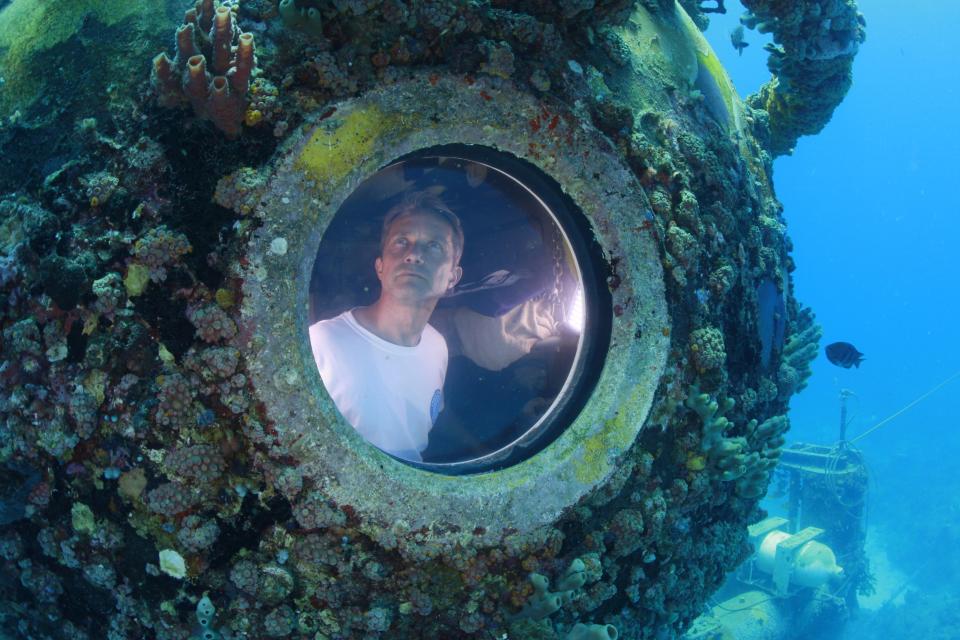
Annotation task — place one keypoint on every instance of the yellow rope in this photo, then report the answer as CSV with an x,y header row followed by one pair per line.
x,y
918,400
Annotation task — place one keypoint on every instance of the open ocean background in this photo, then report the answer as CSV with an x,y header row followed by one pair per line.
x,y
872,205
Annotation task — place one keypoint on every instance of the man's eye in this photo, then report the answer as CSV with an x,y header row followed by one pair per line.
x,y
436,246
400,241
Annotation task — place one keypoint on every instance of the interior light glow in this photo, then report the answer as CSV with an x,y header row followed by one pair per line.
x,y
575,316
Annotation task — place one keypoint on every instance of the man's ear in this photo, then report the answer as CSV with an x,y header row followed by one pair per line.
x,y
378,266
455,277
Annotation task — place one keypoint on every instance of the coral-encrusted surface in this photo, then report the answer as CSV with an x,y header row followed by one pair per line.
x,y
811,62
150,451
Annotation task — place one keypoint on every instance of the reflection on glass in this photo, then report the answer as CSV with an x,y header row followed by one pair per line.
x,y
446,310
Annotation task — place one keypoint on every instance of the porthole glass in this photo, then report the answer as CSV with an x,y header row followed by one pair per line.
x,y
458,312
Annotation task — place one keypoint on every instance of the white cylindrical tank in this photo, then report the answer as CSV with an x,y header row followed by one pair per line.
x,y
813,564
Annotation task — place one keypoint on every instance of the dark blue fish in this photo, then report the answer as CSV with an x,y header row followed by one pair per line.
x,y
736,38
844,354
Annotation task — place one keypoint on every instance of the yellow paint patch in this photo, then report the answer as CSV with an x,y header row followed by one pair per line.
x,y
339,145
616,434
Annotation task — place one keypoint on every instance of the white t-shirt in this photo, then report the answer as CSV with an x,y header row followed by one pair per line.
x,y
390,393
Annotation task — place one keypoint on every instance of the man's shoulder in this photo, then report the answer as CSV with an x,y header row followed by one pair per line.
x,y
331,326
433,338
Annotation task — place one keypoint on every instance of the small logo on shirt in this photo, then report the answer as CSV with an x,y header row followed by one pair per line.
x,y
435,406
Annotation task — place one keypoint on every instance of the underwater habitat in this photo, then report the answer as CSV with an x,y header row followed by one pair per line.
x,y
479,319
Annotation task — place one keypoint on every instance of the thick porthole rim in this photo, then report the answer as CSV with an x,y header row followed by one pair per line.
x,y
316,172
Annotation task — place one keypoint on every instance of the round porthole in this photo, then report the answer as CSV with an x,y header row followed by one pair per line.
x,y
458,309
517,430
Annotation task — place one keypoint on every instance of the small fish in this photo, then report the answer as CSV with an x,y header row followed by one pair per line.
x,y
736,38
844,354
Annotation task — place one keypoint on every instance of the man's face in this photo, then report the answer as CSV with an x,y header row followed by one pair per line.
x,y
417,258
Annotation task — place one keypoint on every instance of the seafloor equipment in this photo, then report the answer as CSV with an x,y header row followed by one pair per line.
x,y
792,586
158,387
793,558
751,615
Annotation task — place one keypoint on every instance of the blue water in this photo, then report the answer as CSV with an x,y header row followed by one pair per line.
x,y
873,207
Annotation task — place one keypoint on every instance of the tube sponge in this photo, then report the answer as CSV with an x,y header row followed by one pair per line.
x,y
165,82
573,577
197,87
543,602
204,12
223,107
186,44
240,74
205,40
205,615
222,37
205,611
582,631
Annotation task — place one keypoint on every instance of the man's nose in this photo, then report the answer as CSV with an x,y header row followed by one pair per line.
x,y
414,253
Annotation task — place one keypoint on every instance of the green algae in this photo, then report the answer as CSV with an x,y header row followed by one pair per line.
x,y
45,44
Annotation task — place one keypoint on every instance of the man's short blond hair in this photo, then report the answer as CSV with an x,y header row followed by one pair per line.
x,y
425,202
